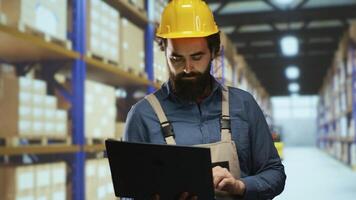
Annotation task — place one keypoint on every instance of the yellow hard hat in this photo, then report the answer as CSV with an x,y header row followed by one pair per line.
x,y
185,19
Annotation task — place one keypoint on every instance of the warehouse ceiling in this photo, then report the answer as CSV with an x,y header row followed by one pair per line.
x,y
256,27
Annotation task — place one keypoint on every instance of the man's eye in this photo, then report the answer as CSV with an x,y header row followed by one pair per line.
x,y
176,59
197,57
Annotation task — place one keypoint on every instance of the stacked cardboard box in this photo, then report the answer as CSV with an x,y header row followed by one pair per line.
x,y
49,17
98,180
30,112
132,49
160,67
140,4
44,181
103,30
353,156
100,110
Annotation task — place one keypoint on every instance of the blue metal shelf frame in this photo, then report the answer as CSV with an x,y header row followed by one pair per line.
x,y
77,99
149,42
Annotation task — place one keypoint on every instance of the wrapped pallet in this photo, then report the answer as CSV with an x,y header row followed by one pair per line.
x,y
100,110
31,113
49,17
103,35
132,47
98,180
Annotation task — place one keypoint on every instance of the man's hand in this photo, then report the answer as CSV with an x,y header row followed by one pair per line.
x,y
224,181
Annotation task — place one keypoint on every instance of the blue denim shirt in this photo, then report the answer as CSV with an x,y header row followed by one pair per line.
x,y
261,168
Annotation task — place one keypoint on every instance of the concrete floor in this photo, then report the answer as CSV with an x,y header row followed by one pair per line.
x,y
314,175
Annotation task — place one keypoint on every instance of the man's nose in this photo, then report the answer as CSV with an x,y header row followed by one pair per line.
x,y
188,66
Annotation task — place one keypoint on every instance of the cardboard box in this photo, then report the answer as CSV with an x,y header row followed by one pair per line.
x,y
353,156
132,46
43,193
103,30
50,102
160,67
26,84
39,87
9,103
58,192
43,176
49,17
140,4
100,110
91,167
16,179
58,174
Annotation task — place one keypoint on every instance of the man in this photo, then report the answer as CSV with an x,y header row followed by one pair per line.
x,y
192,108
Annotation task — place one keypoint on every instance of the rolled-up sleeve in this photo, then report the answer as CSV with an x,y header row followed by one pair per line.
x,y
268,176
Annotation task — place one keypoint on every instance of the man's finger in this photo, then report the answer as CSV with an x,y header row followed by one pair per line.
x,y
222,183
184,196
155,197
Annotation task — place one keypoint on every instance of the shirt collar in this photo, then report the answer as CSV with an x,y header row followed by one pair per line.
x,y
166,88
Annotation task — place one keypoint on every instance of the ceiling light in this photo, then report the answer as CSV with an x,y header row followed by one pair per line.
x,y
289,46
292,72
293,87
284,2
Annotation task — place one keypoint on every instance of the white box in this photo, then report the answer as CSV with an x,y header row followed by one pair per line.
x,y
25,84
61,129
39,87
61,116
38,128
43,176
38,101
50,115
25,113
50,102
25,99
59,193
38,114
50,129
25,127
49,17
58,174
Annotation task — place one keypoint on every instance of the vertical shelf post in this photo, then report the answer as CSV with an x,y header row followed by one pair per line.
x,y
78,79
149,42
353,78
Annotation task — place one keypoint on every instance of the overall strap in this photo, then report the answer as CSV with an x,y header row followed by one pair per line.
x,y
225,121
166,126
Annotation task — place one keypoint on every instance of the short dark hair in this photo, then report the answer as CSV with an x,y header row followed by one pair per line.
x,y
213,43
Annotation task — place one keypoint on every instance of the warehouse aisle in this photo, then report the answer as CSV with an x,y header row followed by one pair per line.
x,y
314,175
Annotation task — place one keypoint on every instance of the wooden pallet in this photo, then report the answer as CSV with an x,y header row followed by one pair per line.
x,y
24,28
141,10
34,141
48,38
137,73
101,58
92,141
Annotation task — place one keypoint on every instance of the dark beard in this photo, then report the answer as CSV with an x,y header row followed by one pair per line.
x,y
189,90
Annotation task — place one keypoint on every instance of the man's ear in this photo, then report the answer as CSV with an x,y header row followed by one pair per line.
x,y
212,54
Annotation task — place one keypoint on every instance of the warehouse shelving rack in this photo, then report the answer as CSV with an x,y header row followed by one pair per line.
x,y
19,48
325,140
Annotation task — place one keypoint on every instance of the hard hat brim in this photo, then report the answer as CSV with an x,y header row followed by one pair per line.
x,y
186,34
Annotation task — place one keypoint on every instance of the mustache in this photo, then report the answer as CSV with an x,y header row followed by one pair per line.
x,y
191,74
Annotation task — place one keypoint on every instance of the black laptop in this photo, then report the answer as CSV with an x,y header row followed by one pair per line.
x,y
141,170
